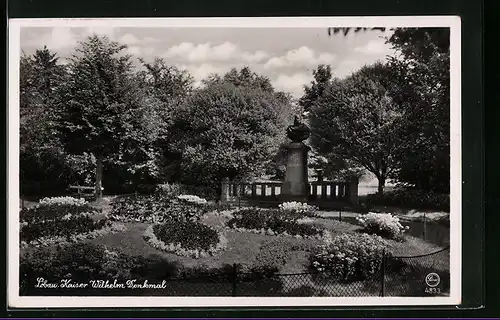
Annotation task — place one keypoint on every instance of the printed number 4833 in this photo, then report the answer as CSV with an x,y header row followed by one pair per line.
x,y
432,290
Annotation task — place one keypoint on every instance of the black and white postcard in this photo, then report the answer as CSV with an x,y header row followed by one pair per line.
x,y
306,161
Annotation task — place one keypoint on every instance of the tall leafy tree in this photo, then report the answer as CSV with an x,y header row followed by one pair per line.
x,y
322,77
99,91
422,72
356,120
43,162
242,78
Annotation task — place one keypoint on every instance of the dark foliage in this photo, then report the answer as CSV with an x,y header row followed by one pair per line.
x,y
276,220
411,199
47,221
191,235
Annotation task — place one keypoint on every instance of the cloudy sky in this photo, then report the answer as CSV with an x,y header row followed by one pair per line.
x,y
286,55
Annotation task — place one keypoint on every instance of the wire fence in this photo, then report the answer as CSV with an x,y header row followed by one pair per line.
x,y
425,275
402,276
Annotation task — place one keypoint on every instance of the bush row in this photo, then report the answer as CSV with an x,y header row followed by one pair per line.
x,y
82,262
59,218
410,198
277,221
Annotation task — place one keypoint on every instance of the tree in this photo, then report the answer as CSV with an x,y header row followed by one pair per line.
x,y
422,73
356,120
99,91
322,77
44,166
166,82
230,131
243,78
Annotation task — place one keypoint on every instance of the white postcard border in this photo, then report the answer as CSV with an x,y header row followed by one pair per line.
x,y
16,301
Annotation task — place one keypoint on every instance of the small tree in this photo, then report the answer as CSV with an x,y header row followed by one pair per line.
x,y
94,99
356,120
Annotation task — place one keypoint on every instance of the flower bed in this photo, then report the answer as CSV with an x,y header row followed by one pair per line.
x,y
271,222
60,220
350,257
383,224
185,238
158,209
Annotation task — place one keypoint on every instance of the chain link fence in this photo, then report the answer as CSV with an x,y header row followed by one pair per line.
x,y
412,276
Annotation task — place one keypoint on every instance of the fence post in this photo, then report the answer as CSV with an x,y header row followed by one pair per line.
x,y
425,226
234,279
340,215
224,197
135,193
382,279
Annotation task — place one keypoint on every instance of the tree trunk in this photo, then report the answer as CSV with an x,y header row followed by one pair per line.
x,y
381,184
98,177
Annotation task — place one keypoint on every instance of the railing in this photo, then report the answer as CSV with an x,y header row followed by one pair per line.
x,y
325,191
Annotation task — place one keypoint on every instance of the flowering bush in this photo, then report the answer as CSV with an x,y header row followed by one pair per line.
x,y
383,224
191,199
272,222
186,238
300,208
63,201
350,257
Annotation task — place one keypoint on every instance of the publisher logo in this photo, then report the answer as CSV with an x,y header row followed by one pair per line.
x,y
432,279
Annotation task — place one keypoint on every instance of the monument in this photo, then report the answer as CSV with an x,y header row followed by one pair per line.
x,y
296,186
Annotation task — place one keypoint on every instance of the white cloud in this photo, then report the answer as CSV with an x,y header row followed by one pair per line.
x,y
58,38
257,56
347,67
375,47
101,31
303,56
129,39
292,83
208,52
136,51
201,72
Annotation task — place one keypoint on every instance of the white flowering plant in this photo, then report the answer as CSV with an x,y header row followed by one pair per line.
x,y
191,199
63,201
350,257
382,224
297,210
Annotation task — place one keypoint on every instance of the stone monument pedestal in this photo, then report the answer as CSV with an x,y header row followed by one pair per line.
x,y
296,185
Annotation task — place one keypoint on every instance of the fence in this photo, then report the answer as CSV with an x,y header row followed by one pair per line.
x,y
412,276
324,194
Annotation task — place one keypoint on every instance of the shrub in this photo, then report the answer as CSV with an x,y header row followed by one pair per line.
x,y
189,235
271,221
159,208
410,198
350,257
298,209
84,261
176,189
63,201
277,252
382,224
185,238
